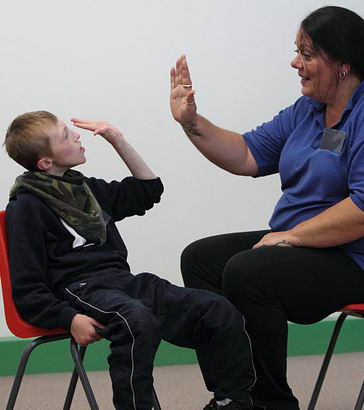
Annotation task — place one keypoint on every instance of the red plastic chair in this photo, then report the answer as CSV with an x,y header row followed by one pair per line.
x,y
22,329
348,310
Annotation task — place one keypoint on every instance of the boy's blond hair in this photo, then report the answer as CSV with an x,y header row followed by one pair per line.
x,y
26,139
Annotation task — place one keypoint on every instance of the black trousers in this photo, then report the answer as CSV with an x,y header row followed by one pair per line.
x,y
138,311
269,286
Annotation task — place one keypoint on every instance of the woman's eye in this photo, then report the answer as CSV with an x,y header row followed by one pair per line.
x,y
304,55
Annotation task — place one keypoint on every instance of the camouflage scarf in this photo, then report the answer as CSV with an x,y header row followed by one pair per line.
x,y
70,198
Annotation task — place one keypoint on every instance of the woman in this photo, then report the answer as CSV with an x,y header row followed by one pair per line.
x,y
311,261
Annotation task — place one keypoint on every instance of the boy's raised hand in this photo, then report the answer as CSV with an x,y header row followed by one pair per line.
x,y
103,128
138,168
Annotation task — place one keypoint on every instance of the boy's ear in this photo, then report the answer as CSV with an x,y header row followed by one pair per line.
x,y
44,163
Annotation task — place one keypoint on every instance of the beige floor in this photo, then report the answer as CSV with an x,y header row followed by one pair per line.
x,y
181,387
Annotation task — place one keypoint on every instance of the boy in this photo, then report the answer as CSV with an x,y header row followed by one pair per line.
x,y
69,267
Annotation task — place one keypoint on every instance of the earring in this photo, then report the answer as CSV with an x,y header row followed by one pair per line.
x,y
343,74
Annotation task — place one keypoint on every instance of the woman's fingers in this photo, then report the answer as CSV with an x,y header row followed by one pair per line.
x,y
185,73
179,70
173,78
182,100
190,99
180,74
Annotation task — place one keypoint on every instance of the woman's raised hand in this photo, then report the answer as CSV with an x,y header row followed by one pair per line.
x,y
182,98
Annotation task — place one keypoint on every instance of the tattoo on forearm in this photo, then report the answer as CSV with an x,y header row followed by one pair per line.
x,y
191,130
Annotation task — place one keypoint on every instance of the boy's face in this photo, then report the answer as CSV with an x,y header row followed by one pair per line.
x,y
67,151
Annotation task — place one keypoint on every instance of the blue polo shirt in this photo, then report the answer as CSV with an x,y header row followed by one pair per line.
x,y
316,172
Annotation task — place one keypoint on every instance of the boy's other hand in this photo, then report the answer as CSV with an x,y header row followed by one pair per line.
x,y
83,329
103,128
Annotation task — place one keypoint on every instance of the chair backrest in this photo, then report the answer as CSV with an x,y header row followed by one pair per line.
x,y
15,323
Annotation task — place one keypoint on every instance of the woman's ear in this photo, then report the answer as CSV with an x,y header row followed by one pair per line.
x,y
44,163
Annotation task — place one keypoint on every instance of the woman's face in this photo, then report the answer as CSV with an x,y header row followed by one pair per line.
x,y
319,75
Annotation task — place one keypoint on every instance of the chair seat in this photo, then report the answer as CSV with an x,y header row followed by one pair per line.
x,y
355,309
356,306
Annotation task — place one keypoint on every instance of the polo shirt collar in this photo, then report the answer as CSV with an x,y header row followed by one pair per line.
x,y
355,97
318,106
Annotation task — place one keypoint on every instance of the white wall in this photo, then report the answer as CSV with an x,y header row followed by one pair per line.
x,y
110,60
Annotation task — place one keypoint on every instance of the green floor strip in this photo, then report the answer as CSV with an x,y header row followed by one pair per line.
x,y
55,357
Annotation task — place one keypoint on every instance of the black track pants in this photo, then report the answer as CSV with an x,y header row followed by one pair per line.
x,y
269,286
140,310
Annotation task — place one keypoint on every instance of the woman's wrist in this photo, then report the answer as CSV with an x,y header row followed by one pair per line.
x,y
191,129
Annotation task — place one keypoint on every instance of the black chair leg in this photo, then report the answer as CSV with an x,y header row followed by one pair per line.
x,y
19,374
82,375
326,362
156,404
23,364
79,371
73,382
359,403
71,390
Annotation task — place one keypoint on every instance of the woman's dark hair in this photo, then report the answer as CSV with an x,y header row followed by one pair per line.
x,y
338,32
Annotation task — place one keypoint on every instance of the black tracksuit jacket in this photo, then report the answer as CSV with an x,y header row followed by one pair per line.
x,y
42,258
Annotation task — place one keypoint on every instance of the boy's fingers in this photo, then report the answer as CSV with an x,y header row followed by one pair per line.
x,y
85,126
91,125
79,121
82,123
97,324
101,130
